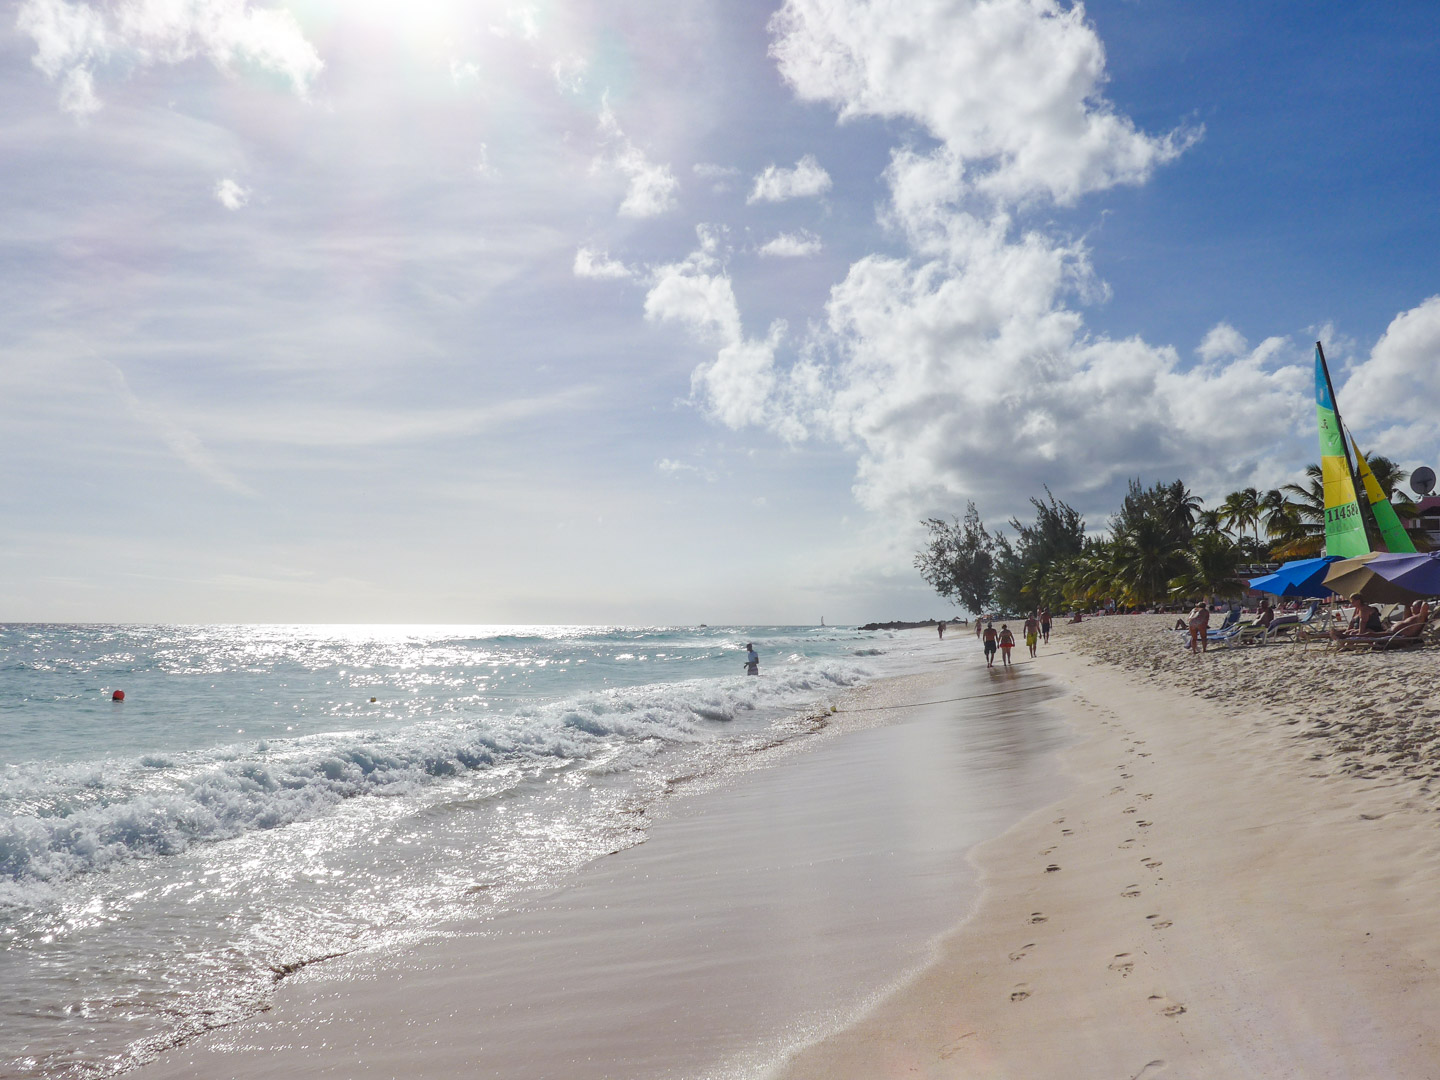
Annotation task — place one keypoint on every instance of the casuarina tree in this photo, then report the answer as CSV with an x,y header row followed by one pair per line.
x,y
958,560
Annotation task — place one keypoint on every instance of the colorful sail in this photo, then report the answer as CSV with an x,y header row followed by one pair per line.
x,y
1391,531
1344,527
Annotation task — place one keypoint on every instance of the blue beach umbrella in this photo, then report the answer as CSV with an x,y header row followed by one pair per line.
x,y
1300,577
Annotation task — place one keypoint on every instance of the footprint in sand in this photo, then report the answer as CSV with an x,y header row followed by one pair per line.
x,y
1047,851
1124,776
950,1049
1144,824
1020,993
1145,796
1130,891
1157,923
1036,917
1117,789
1126,844
1058,821
1122,964
1052,868
1067,832
1144,755
1151,1069
1128,810
1151,864
1022,951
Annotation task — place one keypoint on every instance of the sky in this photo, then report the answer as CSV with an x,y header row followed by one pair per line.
x,y
491,311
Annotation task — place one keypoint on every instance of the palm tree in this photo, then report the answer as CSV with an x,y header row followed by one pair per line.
x,y
1209,521
1146,557
1304,519
1209,569
1241,509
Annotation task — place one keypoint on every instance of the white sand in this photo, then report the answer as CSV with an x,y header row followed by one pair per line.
x,y
1243,882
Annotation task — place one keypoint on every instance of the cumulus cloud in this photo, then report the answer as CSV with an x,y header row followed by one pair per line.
x,y
652,188
231,195
73,39
1394,393
1011,88
776,184
965,368
739,386
590,263
791,245
1222,342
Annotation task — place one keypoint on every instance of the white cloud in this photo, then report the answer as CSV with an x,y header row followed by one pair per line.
x,y
776,184
72,38
739,385
653,187
681,468
1394,393
1221,343
792,245
590,263
966,369
569,72
1011,88
231,195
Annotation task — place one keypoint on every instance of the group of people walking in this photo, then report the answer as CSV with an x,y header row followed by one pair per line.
x,y
1036,628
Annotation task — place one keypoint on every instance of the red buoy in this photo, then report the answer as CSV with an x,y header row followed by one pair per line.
x,y
118,695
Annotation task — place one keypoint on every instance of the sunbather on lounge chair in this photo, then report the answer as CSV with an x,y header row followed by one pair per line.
x,y
1365,622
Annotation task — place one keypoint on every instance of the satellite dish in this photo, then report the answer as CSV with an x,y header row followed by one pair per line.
x,y
1422,481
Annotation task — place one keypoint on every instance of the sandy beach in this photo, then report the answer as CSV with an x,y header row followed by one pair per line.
x,y
1125,862
1240,883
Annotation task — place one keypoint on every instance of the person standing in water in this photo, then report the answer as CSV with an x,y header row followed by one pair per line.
x,y
941,627
752,660
989,638
1007,642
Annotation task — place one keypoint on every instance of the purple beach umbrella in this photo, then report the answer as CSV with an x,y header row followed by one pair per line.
x,y
1389,577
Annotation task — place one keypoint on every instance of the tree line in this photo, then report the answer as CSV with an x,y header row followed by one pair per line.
x,y
1162,544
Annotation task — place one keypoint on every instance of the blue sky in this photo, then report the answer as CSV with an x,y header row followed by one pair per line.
x,y
563,312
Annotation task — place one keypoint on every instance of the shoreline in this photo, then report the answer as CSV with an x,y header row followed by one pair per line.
x,y
1240,882
767,907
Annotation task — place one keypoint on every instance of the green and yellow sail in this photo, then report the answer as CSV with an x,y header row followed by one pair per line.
x,y
1391,531
1344,527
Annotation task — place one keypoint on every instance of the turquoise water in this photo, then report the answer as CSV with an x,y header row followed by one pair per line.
x,y
249,808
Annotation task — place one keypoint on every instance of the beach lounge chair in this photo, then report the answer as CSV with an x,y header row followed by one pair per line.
x,y
1414,634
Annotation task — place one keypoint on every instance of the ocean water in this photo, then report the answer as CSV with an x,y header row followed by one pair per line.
x,y
270,796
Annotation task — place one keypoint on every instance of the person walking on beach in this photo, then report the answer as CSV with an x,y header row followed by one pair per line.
x,y
1045,624
1200,626
1007,642
941,627
1032,634
979,626
752,660
989,637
